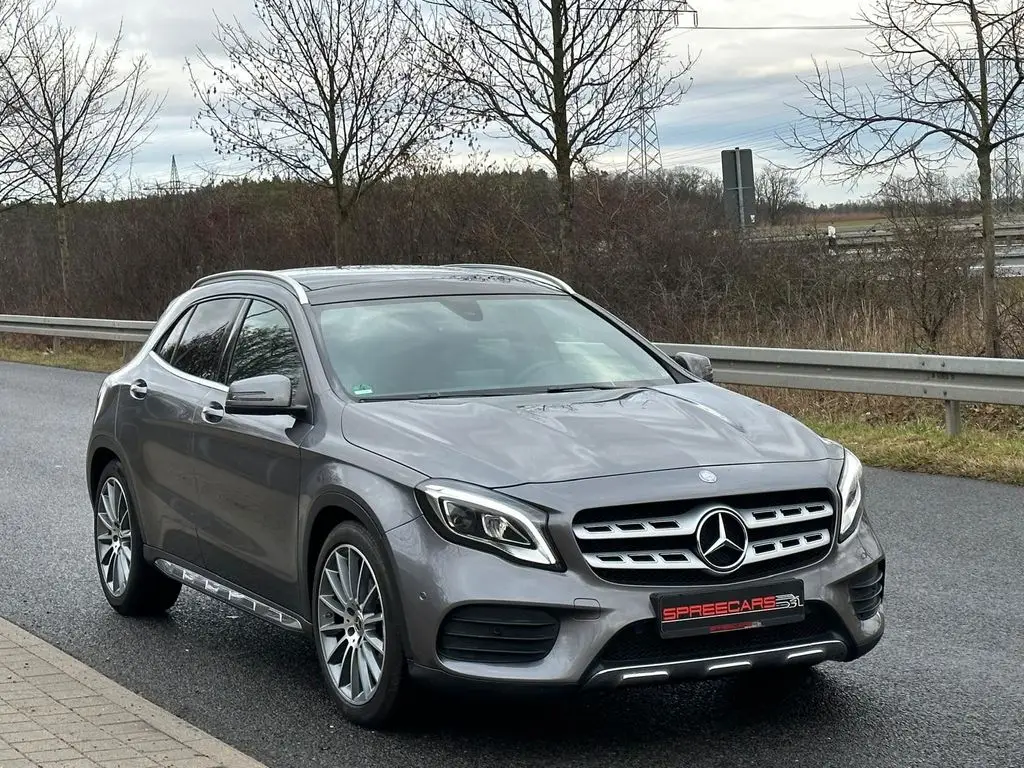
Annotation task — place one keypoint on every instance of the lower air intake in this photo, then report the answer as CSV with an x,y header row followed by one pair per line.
x,y
497,634
867,589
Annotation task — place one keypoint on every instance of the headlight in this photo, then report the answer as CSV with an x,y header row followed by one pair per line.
x,y
851,494
478,518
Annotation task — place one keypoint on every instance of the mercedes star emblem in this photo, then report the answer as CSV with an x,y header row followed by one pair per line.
x,y
722,539
708,476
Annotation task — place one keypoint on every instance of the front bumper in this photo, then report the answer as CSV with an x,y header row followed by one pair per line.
x,y
606,634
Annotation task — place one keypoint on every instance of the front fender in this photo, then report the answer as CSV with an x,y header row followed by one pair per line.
x,y
378,504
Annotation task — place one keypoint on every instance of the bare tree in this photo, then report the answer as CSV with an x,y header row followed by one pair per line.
x,y
776,190
950,85
333,92
16,20
563,78
77,113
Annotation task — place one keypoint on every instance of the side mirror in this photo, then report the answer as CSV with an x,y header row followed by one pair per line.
x,y
698,365
262,396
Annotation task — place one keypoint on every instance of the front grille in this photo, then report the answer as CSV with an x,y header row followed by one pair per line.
x,y
497,634
867,589
656,544
640,643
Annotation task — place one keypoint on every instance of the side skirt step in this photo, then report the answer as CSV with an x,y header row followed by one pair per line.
x,y
228,595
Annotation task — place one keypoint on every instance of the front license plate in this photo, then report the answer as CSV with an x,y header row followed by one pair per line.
x,y
729,608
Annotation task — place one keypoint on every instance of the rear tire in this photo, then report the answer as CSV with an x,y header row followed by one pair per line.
x,y
131,586
358,627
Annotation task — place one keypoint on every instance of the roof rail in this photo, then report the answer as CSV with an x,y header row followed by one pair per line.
x,y
537,275
278,277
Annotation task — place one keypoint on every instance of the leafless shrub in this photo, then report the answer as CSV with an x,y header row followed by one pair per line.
x,y
929,265
656,255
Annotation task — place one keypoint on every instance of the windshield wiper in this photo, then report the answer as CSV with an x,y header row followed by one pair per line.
x,y
499,392
583,387
453,394
406,396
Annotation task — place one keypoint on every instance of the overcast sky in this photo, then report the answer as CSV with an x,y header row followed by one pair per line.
x,y
743,83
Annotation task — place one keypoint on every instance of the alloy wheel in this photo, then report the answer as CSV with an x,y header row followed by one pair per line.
x,y
351,624
114,537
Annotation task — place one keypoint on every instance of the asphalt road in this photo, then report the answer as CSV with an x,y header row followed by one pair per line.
x,y
944,688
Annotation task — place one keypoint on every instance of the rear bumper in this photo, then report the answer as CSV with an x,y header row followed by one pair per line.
x,y
606,634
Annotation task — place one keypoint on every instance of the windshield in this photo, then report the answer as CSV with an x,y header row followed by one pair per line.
x,y
448,346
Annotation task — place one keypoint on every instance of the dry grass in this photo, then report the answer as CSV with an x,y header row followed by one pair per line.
x,y
909,434
99,356
923,447
876,411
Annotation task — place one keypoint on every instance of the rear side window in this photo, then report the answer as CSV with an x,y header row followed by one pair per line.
x,y
169,345
265,345
198,352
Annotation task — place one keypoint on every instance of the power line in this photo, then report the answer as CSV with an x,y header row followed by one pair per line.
x,y
792,28
808,27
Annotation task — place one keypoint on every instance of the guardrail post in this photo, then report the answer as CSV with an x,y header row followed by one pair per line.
x,y
56,345
954,422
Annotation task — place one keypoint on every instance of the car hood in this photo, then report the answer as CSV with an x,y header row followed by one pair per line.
x,y
511,440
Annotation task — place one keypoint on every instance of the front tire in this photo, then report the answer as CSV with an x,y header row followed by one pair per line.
x,y
357,627
132,586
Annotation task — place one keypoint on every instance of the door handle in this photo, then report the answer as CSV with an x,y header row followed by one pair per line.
x,y
138,389
213,413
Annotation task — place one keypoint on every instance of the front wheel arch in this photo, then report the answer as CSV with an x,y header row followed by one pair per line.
x,y
330,510
102,451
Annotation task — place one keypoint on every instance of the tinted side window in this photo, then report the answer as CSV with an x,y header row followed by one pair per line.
x,y
199,350
265,345
169,345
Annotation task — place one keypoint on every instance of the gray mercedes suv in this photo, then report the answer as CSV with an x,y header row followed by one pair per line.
x,y
471,474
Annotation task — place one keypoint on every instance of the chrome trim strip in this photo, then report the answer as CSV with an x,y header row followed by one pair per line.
x,y
645,675
684,559
709,664
658,562
280,277
731,665
676,525
186,376
805,543
805,654
228,595
758,518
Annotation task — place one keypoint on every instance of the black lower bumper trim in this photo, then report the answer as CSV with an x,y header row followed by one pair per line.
x,y
447,680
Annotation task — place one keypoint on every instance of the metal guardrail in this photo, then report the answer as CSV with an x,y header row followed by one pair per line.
x,y
954,380
77,327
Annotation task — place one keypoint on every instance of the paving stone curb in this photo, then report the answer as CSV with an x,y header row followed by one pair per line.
x,y
57,711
